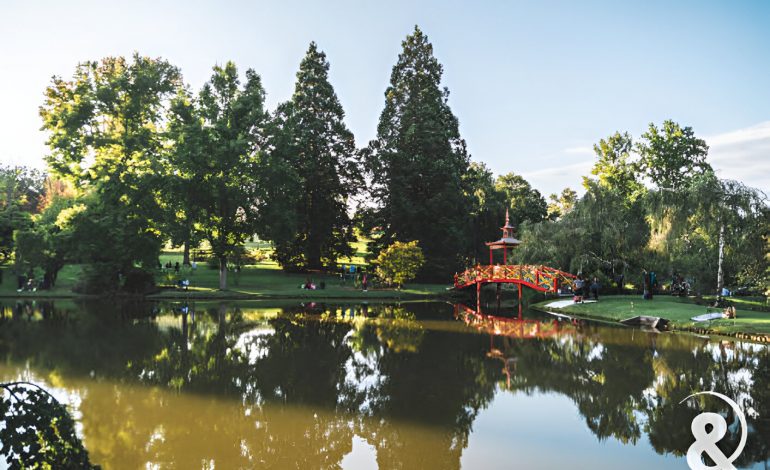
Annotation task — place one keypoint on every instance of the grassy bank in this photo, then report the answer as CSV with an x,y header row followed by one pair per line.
x,y
679,311
264,280
66,280
267,281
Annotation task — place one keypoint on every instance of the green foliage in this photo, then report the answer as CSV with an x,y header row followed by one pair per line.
x,y
399,263
104,135
671,155
21,191
486,210
47,242
620,227
152,162
526,204
112,110
242,256
250,256
220,159
561,204
138,281
310,135
418,161
101,233
38,431
182,163
97,279
614,169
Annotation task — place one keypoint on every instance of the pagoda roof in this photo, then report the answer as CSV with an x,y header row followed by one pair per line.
x,y
506,241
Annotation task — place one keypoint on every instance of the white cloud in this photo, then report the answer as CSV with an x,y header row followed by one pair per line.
x,y
585,150
760,131
743,155
557,177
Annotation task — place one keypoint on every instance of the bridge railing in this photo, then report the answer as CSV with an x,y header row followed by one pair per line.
x,y
535,276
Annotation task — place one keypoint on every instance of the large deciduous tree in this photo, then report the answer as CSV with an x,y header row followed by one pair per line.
x,y
672,155
231,118
184,164
526,203
104,135
612,211
615,169
312,138
417,162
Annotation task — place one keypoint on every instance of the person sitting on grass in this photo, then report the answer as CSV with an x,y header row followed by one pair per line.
x,y
29,286
729,312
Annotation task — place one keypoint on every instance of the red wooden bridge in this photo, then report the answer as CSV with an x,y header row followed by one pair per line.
x,y
540,278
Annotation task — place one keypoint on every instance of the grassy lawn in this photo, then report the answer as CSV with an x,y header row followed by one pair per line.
x,y
267,280
678,311
66,280
264,280
750,303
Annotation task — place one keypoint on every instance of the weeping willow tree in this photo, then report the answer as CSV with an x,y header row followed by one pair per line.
x,y
658,205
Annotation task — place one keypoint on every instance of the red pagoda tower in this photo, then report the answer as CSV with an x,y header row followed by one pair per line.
x,y
508,240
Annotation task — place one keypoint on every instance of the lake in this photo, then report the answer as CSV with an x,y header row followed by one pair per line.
x,y
392,386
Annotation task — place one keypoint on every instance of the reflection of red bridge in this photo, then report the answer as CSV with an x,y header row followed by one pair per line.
x,y
501,329
510,327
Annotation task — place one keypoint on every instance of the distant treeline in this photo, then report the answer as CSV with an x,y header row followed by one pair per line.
x,y
138,159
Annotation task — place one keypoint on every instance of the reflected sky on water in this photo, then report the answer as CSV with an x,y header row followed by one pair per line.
x,y
415,385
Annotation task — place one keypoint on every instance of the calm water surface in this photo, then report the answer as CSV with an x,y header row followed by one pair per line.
x,y
409,386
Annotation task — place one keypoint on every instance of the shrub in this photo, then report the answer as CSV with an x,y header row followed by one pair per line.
x,y
97,278
399,263
139,281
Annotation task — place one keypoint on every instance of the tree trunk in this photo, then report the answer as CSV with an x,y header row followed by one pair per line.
x,y
720,272
185,341
186,255
219,344
223,273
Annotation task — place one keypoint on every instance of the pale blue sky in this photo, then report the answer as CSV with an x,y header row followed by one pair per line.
x,y
534,84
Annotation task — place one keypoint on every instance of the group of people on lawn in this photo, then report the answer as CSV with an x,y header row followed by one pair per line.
x,y
583,288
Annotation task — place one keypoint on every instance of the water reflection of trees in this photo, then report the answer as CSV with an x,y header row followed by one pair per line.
x,y
627,383
310,378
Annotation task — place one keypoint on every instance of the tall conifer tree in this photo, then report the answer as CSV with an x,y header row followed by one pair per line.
x,y
417,162
310,134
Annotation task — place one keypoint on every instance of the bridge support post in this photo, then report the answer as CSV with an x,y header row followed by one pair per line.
x,y
478,296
